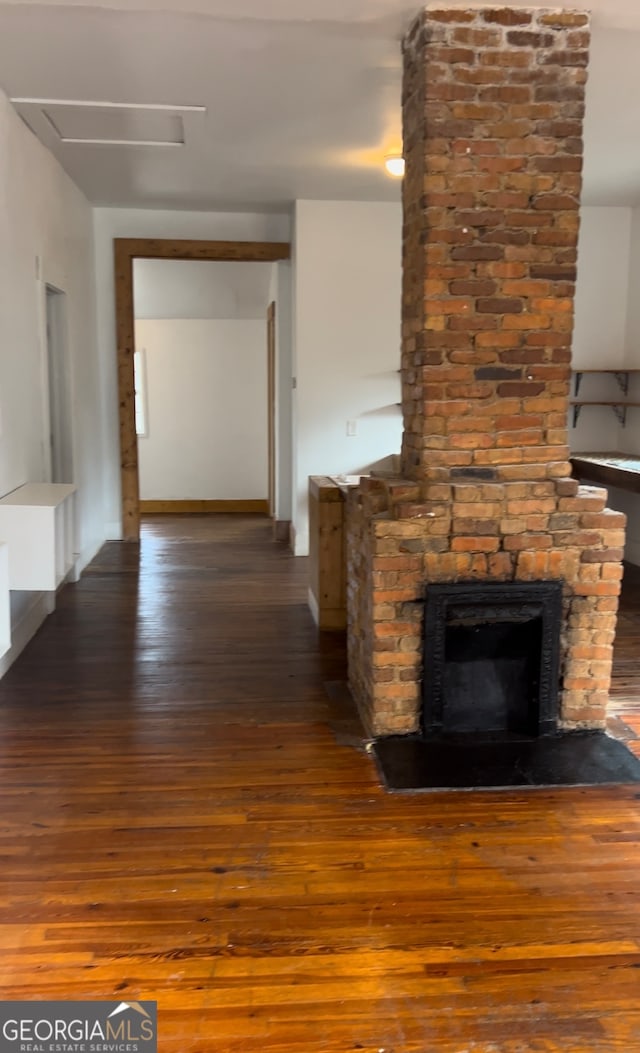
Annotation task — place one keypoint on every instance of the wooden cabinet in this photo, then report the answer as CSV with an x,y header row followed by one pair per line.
x,y
327,557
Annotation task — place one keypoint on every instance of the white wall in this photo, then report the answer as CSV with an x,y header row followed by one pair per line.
x,y
280,294
607,336
629,436
346,341
600,338
604,247
633,314
46,238
200,289
207,410
110,223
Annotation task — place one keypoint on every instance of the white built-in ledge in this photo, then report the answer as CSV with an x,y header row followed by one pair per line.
x,y
37,523
5,617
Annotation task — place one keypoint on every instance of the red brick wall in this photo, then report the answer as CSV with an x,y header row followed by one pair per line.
x,y
493,103
493,106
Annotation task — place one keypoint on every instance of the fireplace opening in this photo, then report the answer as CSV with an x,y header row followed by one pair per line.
x,y
491,659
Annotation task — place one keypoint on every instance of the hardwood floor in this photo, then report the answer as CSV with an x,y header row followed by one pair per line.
x,y
181,822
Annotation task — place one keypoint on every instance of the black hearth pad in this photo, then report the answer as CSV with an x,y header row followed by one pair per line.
x,y
579,758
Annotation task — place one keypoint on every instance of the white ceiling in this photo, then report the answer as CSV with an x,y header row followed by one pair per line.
x,y
301,96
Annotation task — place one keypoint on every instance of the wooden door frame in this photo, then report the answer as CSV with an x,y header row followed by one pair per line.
x,y
126,250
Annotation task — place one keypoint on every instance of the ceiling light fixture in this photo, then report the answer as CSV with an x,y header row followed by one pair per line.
x,y
394,166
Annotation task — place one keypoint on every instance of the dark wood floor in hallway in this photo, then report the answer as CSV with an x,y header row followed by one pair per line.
x,y
181,822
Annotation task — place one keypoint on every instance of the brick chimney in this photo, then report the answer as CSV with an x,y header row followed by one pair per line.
x,y
493,104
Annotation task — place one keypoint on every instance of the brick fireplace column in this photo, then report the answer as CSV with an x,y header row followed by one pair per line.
x,y
493,103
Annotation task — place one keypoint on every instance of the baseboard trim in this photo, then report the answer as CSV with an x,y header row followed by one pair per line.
x,y
331,619
21,633
282,529
312,604
187,508
85,558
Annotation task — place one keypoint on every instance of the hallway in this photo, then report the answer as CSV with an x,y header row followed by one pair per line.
x,y
182,821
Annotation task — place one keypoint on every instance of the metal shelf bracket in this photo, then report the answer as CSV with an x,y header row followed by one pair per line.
x,y
623,381
621,414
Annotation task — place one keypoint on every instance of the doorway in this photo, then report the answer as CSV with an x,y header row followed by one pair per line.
x,y
125,251
202,388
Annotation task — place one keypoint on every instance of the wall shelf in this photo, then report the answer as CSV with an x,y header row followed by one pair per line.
x,y
619,406
37,522
622,376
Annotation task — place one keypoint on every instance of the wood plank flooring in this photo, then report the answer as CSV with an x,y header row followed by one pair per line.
x,y
180,822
